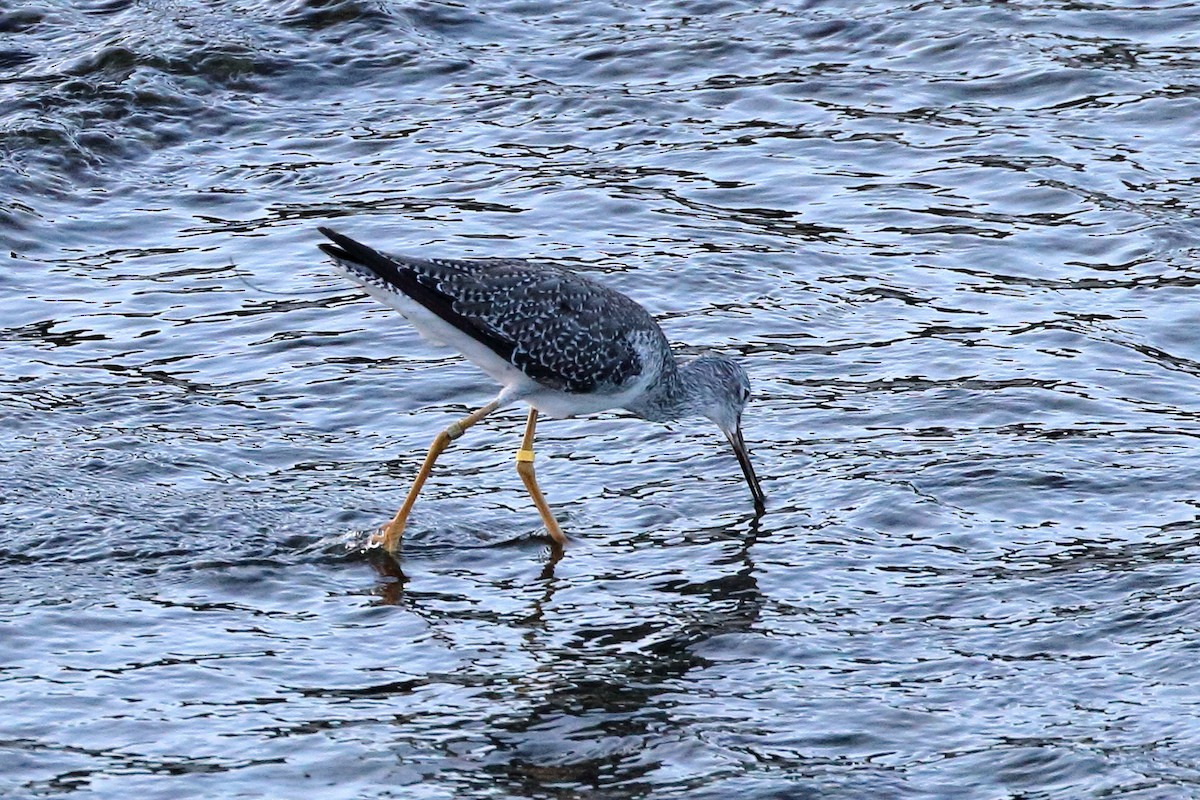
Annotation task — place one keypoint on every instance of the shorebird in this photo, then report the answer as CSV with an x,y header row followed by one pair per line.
x,y
561,343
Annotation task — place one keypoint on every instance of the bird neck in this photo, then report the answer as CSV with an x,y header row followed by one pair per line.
x,y
680,391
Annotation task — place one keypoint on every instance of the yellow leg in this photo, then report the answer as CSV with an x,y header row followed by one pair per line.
x,y
525,470
389,535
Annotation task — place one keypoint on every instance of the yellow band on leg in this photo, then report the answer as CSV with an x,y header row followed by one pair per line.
x,y
524,455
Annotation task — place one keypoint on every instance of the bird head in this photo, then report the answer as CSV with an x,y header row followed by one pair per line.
x,y
721,389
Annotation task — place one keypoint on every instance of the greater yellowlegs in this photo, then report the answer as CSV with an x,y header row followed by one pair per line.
x,y
560,342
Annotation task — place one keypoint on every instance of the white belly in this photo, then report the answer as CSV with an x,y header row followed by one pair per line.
x,y
517,385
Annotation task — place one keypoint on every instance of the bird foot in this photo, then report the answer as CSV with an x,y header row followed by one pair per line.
x,y
386,538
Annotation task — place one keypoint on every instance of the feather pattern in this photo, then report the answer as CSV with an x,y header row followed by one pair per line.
x,y
563,330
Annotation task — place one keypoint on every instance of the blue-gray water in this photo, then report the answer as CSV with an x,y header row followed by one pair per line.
x,y
956,245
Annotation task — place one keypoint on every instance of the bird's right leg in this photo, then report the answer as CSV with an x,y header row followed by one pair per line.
x,y
389,535
525,470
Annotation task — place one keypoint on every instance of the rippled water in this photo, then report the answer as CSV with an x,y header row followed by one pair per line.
x,y
954,243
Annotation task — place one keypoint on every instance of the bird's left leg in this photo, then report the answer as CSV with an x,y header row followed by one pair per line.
x,y
525,470
388,536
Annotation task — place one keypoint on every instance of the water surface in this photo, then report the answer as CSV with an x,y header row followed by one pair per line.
x,y
955,245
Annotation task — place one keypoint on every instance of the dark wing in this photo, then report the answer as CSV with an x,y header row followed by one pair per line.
x,y
563,330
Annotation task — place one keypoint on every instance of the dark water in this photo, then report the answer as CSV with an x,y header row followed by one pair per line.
x,y
956,245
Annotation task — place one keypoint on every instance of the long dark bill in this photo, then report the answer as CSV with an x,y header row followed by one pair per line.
x,y
743,457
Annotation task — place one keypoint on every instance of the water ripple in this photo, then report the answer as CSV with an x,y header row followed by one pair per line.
x,y
954,245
